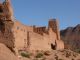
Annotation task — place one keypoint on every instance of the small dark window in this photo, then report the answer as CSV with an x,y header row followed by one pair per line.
x,y
17,27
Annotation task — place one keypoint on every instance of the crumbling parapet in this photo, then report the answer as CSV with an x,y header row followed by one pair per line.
x,y
39,30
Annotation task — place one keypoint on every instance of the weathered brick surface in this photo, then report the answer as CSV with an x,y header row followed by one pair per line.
x,y
34,38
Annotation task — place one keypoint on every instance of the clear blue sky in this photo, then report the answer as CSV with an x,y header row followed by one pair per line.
x,y
38,12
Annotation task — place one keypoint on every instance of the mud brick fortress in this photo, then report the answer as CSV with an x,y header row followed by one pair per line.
x,y
17,36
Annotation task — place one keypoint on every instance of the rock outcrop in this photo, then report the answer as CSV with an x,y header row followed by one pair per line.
x,y
6,53
71,37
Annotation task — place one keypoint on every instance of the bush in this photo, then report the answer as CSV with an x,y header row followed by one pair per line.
x,y
24,54
39,55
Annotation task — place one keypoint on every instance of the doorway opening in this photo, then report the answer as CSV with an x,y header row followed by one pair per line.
x,y
1,10
53,46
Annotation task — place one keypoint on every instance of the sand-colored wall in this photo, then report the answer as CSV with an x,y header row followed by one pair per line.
x,y
52,36
29,28
20,35
26,37
47,41
39,42
60,45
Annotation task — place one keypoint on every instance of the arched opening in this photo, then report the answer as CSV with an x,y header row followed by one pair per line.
x,y
53,46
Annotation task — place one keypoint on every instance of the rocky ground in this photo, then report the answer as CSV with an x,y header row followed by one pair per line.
x,y
6,54
51,55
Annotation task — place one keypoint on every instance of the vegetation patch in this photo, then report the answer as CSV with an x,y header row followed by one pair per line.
x,y
25,54
39,55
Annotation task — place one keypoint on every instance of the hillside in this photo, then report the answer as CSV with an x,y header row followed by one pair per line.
x,y
71,37
6,54
51,55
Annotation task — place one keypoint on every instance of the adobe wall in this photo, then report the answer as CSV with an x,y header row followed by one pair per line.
x,y
60,45
39,42
29,28
20,35
52,36
29,38
43,42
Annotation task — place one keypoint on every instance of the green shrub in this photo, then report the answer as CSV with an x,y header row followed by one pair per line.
x,y
24,54
39,55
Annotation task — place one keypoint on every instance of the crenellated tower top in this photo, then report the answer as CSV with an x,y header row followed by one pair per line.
x,y
53,24
6,10
9,8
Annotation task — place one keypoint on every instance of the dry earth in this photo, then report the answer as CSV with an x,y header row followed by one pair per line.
x,y
6,54
53,55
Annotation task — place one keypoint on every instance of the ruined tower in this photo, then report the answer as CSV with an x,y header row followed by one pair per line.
x,y
53,24
6,24
54,33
